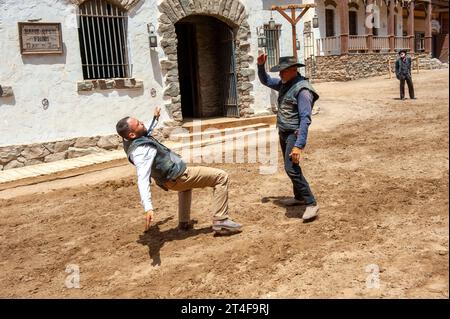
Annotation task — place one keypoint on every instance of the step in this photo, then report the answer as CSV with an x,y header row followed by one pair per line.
x,y
182,137
224,138
222,123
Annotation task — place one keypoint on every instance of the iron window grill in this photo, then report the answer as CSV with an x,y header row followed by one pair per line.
x,y
103,40
273,44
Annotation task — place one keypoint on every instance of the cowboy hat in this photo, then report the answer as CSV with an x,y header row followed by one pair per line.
x,y
286,62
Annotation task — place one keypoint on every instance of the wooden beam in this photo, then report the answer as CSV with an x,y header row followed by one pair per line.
x,y
294,6
285,15
301,15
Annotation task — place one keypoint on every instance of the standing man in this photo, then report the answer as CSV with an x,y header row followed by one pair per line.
x,y
296,99
403,73
153,159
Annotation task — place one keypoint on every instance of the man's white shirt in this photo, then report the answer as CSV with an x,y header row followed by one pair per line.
x,y
143,157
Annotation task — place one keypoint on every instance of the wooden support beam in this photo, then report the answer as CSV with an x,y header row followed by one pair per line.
x,y
293,20
285,15
294,6
301,15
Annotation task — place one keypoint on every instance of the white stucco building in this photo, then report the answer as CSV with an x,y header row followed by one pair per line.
x,y
204,64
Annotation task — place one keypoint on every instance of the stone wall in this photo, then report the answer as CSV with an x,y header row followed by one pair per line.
x,y
15,156
355,66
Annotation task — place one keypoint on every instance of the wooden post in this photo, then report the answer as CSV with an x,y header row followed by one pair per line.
x,y
411,27
428,35
293,20
391,26
389,67
294,33
343,13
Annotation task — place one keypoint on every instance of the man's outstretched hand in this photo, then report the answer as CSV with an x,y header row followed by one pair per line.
x,y
262,58
157,112
148,220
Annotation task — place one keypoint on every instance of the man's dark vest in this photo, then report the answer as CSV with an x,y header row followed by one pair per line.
x,y
287,115
403,69
167,166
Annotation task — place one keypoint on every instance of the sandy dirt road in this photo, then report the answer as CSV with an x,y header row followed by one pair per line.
x,y
378,167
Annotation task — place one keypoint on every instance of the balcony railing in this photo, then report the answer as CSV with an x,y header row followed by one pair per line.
x,y
381,43
332,45
357,43
328,46
401,43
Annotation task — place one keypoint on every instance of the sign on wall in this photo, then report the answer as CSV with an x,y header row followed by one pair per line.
x,y
40,38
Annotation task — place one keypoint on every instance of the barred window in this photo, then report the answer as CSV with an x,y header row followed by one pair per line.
x,y
273,44
103,40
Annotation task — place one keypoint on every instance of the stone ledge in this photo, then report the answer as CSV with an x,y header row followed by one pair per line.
x,y
15,156
110,84
6,91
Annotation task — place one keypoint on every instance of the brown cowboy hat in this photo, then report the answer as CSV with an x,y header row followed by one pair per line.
x,y
286,62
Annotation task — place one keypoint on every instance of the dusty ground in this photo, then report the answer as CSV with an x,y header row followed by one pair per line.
x,y
379,169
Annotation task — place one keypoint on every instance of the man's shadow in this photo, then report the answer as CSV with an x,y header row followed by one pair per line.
x,y
155,239
291,211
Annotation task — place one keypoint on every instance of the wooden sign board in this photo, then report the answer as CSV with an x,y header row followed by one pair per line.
x,y
40,38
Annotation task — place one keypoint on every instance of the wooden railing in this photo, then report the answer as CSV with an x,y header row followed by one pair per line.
x,y
380,43
401,43
357,43
328,45
332,45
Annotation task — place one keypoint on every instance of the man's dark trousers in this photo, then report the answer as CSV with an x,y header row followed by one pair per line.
x,y
302,190
410,87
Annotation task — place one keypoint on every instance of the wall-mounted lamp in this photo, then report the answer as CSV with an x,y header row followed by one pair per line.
x,y
271,22
262,40
153,40
298,44
315,21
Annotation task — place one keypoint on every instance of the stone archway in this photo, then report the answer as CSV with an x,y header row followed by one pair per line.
x,y
233,13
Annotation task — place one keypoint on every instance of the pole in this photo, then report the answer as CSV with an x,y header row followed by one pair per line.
x,y
294,34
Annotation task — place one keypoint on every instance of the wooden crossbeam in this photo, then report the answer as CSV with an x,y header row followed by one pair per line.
x,y
292,19
294,6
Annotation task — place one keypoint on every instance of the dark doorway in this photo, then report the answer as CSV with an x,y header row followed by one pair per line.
x,y
188,70
353,23
206,67
329,22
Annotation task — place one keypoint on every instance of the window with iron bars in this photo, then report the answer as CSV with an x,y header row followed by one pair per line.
x,y
273,44
103,40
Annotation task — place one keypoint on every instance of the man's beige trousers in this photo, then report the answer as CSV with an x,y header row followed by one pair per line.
x,y
200,177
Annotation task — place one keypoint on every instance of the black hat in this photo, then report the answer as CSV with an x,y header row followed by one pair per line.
x,y
402,50
286,62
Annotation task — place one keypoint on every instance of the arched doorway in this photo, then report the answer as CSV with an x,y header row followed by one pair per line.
x,y
206,67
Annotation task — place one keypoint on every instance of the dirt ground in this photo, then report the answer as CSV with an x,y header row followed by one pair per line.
x,y
378,167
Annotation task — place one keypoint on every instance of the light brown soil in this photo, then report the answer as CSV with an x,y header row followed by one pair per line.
x,y
379,169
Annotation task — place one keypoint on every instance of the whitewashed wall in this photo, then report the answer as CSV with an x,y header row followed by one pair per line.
x,y
54,77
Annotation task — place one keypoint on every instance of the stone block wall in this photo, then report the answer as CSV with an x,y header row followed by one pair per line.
x,y
355,66
15,156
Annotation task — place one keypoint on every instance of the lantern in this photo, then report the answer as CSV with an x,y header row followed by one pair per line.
x,y
315,21
153,40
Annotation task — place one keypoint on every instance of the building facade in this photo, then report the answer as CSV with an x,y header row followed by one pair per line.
x,y
65,102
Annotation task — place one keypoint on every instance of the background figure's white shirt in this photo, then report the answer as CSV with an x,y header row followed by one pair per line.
x,y
143,157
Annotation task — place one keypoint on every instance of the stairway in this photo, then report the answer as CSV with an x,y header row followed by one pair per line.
x,y
239,132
